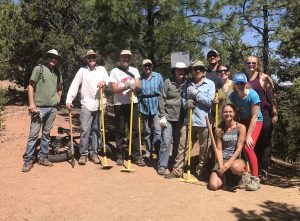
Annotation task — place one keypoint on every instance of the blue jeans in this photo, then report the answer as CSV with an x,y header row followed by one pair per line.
x,y
149,122
89,121
44,120
173,130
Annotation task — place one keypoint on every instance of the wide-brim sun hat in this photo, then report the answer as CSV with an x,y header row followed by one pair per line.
x,y
197,63
91,52
180,65
240,78
53,52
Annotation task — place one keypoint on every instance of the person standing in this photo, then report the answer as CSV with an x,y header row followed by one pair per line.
x,y
213,59
44,93
124,80
198,94
171,115
264,86
90,79
247,103
151,86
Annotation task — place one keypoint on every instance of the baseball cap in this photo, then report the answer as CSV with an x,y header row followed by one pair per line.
x,y
128,52
240,77
146,61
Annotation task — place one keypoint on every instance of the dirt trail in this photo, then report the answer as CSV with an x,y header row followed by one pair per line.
x,y
88,193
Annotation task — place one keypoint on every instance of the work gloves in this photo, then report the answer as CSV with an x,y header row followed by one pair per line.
x,y
163,122
130,85
190,104
192,91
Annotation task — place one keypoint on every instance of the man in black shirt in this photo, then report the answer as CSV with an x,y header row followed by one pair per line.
x,y
213,58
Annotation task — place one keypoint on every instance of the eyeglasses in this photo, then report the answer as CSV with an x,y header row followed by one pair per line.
x,y
147,65
251,63
222,71
199,68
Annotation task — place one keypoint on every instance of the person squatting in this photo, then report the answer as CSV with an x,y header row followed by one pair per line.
x,y
242,112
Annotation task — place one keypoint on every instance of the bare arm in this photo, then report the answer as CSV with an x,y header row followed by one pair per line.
x,y
271,93
116,89
31,107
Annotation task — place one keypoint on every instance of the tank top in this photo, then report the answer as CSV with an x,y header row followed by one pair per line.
x,y
229,142
265,104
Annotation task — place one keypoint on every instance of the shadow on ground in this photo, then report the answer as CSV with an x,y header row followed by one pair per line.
x,y
270,211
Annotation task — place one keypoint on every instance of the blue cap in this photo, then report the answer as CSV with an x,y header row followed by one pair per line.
x,y
240,77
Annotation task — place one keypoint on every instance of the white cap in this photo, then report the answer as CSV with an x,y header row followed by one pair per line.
x,y
53,52
180,65
126,52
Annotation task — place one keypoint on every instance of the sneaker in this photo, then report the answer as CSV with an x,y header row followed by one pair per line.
x,y
82,160
147,154
95,159
27,166
120,162
45,162
244,180
263,176
161,171
172,175
139,162
254,184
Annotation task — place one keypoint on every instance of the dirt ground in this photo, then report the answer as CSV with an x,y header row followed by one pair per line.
x,y
89,193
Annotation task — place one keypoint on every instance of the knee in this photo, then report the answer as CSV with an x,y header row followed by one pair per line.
x,y
237,167
213,186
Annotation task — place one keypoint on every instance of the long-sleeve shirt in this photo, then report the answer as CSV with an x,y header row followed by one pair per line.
x,y
203,101
89,91
149,93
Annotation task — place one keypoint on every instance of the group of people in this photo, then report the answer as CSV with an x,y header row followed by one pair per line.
x,y
246,114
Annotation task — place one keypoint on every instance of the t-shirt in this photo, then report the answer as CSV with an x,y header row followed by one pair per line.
x,y
213,76
45,90
120,77
229,143
244,105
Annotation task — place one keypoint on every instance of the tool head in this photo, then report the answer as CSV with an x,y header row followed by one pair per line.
x,y
127,170
72,163
189,180
106,167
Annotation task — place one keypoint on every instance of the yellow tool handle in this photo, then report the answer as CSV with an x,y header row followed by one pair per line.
x,y
189,142
217,111
102,124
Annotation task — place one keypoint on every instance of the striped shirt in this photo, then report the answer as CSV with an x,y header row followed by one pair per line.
x,y
149,93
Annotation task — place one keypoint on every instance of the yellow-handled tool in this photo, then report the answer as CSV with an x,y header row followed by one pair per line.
x,y
105,166
217,111
128,169
188,179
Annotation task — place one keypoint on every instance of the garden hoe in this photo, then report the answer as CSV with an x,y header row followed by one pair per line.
x,y
189,179
105,166
128,169
71,139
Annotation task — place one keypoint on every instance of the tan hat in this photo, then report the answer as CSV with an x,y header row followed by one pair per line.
x,y
180,65
147,61
53,52
197,63
213,51
126,52
91,52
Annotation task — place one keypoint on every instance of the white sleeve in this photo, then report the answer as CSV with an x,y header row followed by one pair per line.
x,y
106,76
73,89
113,78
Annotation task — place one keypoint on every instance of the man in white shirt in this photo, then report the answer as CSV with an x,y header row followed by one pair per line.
x,y
90,78
125,79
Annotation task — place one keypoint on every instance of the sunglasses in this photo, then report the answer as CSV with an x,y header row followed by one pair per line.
x,y
240,83
222,71
53,57
147,65
212,55
91,57
198,68
251,63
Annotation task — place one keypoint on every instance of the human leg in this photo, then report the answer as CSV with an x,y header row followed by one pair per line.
x,y
238,167
120,122
85,129
215,182
147,133
164,151
157,133
204,142
136,154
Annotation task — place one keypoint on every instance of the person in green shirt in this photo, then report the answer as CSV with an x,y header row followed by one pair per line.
x,y
44,93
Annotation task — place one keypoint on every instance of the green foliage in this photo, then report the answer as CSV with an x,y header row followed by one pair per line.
x,y
3,100
286,137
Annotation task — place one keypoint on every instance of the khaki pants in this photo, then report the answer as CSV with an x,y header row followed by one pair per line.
x,y
200,133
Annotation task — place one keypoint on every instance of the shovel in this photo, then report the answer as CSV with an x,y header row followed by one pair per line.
x,y
105,166
128,169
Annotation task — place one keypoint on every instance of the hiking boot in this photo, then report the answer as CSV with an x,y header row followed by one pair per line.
x,y
82,160
244,180
139,162
254,184
27,166
161,171
147,154
263,176
172,175
95,159
45,162
120,162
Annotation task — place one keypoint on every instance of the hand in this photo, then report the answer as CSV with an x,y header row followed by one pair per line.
x,y
249,142
101,84
274,119
32,109
163,122
224,168
190,104
69,106
130,85
192,91
216,100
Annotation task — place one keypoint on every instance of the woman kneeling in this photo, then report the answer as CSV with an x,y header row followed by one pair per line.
x,y
230,139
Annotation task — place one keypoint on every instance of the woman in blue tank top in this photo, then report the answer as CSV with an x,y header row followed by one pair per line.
x,y
230,140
